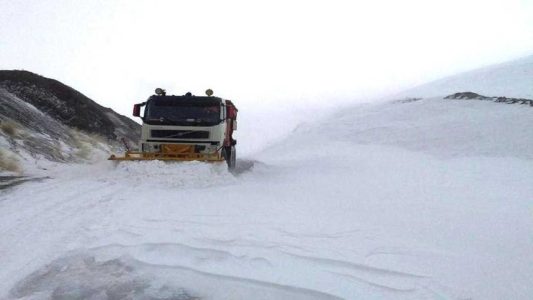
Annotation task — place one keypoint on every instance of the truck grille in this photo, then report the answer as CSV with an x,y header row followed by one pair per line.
x,y
180,134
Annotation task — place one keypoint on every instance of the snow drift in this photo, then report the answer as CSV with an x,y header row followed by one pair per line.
x,y
425,199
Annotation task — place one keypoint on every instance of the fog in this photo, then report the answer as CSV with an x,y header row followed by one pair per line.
x,y
271,55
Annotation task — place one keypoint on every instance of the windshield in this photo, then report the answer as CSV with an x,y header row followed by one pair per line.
x,y
185,113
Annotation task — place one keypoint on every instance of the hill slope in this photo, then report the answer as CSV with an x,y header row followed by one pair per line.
x,y
510,79
67,105
45,120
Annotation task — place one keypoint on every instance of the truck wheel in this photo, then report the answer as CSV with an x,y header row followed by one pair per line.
x,y
230,155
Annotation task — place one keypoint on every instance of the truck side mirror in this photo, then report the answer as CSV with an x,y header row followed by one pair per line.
x,y
137,110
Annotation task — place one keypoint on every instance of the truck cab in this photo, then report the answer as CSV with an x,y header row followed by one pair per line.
x,y
187,127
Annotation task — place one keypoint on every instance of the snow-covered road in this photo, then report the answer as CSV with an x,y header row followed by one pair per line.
x,y
423,200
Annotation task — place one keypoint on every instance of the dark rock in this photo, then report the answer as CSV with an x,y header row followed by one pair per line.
x,y
474,96
466,95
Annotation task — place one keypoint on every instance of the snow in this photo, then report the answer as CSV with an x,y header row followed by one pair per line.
x,y
429,199
510,79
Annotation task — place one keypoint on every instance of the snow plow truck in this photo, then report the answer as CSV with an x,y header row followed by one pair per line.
x,y
185,128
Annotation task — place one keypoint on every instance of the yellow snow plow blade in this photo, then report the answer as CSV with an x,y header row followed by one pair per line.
x,y
172,152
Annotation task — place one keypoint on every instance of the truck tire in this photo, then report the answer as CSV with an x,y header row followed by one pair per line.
x,y
230,155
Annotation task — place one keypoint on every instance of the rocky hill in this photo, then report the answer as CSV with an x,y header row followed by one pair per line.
x,y
67,105
44,119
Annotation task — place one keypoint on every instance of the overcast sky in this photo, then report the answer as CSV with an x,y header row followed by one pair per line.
x,y
117,52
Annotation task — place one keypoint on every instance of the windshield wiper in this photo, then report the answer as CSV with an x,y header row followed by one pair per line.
x,y
208,121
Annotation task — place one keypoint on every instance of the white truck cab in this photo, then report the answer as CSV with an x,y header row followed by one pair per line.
x,y
186,127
